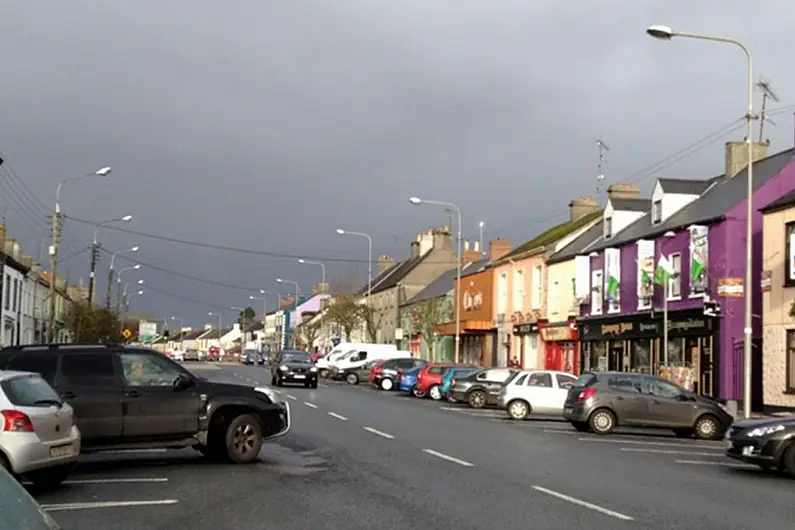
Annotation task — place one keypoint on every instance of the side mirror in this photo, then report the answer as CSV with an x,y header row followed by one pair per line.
x,y
684,397
182,382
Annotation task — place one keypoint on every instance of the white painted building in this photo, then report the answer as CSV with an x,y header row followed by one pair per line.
x,y
13,279
34,307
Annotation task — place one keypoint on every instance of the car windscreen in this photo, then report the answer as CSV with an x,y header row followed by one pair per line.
x,y
296,357
585,380
30,391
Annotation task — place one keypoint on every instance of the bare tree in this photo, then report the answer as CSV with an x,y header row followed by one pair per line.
x,y
310,329
347,283
344,311
372,319
426,316
90,323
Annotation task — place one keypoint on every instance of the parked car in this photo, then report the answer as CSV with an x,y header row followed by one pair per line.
x,y
375,370
39,438
408,382
387,375
178,355
355,375
602,401
541,392
293,366
449,376
18,510
429,379
766,442
191,355
125,397
481,388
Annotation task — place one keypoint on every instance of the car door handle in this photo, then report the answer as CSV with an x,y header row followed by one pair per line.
x,y
68,395
619,398
132,393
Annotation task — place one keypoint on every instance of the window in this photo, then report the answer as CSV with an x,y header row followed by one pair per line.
x,y
789,265
44,364
565,381
625,383
7,293
537,281
518,289
502,294
405,364
554,305
87,369
656,212
596,293
15,301
521,379
675,283
540,379
608,227
789,379
663,389
437,369
143,369
30,391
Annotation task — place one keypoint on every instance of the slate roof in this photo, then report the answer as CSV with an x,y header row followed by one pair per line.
x,y
551,235
193,335
400,271
782,203
256,326
581,245
380,277
721,195
684,186
444,283
476,267
631,205
213,334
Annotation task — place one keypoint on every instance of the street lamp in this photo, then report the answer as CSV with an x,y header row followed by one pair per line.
x,y
450,205
95,256
666,33
112,265
342,232
322,269
127,303
56,239
220,322
181,327
297,288
118,281
127,285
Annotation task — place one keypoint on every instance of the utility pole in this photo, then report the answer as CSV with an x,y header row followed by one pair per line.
x,y
92,275
53,251
600,176
767,93
110,288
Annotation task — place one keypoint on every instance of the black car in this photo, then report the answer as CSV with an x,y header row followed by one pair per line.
x,y
293,366
133,398
768,443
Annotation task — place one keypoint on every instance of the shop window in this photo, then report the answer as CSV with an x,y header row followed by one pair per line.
x,y
675,283
641,356
790,363
597,360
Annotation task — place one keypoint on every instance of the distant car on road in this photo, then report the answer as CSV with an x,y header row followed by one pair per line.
x,y
191,355
293,366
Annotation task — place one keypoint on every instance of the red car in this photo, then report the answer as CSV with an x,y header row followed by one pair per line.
x,y
430,379
375,371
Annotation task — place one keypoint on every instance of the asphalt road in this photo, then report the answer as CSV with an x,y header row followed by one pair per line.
x,y
362,459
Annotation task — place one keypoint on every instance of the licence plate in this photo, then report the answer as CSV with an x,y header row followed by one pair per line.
x,y
296,376
61,450
567,410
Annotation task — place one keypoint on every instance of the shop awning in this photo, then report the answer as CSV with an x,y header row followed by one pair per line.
x,y
467,326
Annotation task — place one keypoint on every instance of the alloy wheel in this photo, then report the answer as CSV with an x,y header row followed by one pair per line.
x,y
245,439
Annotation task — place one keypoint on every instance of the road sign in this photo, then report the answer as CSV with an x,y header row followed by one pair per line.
x,y
126,334
147,331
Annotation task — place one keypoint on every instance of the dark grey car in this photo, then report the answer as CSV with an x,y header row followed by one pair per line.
x,y
602,401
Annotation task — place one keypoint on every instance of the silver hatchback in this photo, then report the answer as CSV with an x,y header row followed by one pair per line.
x,y
39,438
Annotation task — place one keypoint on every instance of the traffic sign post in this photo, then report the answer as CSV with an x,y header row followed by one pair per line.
x,y
126,334
147,331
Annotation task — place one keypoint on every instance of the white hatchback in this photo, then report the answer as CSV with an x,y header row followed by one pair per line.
x,y
39,438
535,392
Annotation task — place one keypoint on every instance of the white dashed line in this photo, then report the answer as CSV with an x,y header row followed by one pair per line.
x,y
290,396
638,442
107,504
669,452
584,504
722,464
449,458
335,415
378,433
115,480
310,405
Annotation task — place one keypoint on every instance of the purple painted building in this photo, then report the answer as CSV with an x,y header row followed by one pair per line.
x,y
699,227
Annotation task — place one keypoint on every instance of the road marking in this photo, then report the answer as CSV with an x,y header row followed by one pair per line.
x,y
449,458
584,504
128,451
310,405
335,415
454,409
669,452
723,464
115,480
378,433
290,396
554,431
636,442
105,504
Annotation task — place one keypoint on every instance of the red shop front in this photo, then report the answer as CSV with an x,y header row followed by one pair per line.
x,y
561,345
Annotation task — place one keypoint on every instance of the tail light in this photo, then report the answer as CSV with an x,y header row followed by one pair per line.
x,y
585,394
399,373
15,421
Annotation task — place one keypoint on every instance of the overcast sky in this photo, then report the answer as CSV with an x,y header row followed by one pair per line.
x,y
267,124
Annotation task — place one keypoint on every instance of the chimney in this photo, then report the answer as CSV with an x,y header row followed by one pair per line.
x,y
471,256
476,245
442,239
466,245
415,250
582,207
498,248
384,262
623,190
737,155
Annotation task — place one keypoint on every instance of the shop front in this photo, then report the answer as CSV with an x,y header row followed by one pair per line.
x,y
526,350
634,343
561,346
478,341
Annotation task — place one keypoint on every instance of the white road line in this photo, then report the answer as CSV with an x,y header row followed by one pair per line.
x,y
555,431
106,504
116,480
130,451
378,433
669,452
310,405
290,396
449,458
335,415
722,464
639,442
453,409
584,504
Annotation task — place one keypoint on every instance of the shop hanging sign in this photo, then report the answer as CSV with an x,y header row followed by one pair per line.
x,y
766,284
645,273
612,280
730,287
699,259
556,334
525,329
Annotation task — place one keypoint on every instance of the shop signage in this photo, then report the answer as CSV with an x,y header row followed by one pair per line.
x,y
646,328
524,329
767,281
730,287
556,333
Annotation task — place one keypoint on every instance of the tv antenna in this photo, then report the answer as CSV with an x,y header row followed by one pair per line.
x,y
767,93
600,175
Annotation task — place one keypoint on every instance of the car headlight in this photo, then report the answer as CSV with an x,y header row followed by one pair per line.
x,y
313,369
283,368
268,392
765,431
725,409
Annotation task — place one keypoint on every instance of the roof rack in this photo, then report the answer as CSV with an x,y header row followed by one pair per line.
x,y
57,346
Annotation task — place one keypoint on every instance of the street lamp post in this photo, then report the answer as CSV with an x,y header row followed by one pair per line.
x,y
322,270
110,269
127,302
56,240
369,257
666,33
181,327
480,228
220,323
450,205
297,288
126,286
118,281
95,257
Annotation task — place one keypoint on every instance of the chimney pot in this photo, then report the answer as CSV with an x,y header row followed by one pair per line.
x,y
498,248
737,155
623,190
582,207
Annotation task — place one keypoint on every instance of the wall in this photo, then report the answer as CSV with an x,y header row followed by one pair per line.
x,y
443,345
564,273
480,282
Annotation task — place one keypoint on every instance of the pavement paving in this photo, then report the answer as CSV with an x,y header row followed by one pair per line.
x,y
362,459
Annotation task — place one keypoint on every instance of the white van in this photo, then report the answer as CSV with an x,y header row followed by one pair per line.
x,y
357,358
324,363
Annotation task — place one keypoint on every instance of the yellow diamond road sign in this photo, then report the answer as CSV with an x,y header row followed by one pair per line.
x,y
126,333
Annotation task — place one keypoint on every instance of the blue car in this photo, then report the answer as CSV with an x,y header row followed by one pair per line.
x,y
452,373
409,380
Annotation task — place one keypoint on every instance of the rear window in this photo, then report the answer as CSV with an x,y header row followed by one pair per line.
x,y
43,363
29,391
585,380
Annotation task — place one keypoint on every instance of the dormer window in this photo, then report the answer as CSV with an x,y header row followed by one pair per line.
x,y
608,227
656,212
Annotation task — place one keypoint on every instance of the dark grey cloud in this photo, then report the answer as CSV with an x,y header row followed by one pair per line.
x,y
269,124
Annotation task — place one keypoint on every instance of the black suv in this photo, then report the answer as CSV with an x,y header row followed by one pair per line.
x,y
293,366
132,398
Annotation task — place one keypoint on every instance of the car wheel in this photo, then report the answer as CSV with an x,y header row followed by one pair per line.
x,y
324,373
273,380
50,478
581,426
518,409
602,421
313,384
387,384
788,460
352,379
243,439
435,393
417,394
477,399
279,380
707,428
